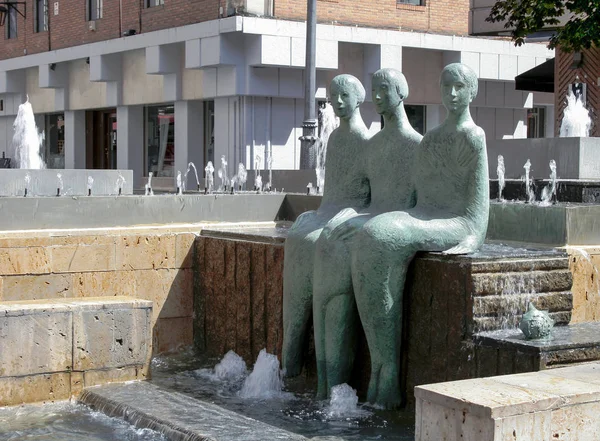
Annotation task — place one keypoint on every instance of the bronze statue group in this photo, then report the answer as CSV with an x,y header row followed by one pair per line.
x,y
386,197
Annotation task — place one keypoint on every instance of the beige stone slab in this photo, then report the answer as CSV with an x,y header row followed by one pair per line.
x,y
110,338
527,427
118,375
584,263
485,397
80,258
171,290
571,391
145,252
77,383
576,423
36,343
43,286
587,373
31,260
108,283
36,388
184,248
172,334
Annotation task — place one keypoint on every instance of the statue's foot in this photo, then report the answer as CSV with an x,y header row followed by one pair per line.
x,y
388,388
321,392
291,369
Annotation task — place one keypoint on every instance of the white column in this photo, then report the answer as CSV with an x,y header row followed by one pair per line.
x,y
75,139
189,139
130,141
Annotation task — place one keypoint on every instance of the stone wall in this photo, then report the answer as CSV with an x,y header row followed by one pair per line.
x,y
147,263
51,349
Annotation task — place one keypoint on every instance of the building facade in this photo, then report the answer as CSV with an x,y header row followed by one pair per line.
x,y
153,85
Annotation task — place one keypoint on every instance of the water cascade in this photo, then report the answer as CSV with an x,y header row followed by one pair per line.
x,y
549,191
329,122
528,184
27,140
500,170
189,167
576,120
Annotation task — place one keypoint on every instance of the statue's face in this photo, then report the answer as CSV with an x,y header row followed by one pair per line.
x,y
385,95
456,94
344,100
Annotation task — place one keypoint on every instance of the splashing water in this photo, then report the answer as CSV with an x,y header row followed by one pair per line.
x,y
266,380
189,167
27,181
500,171
549,191
90,183
329,122
257,177
242,175
179,183
148,187
27,140
576,120
119,184
222,173
269,185
344,404
59,184
231,367
209,179
528,184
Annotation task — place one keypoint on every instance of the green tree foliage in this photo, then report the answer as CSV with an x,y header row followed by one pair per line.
x,y
523,17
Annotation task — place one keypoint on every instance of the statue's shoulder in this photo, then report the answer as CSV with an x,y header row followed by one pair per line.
x,y
473,135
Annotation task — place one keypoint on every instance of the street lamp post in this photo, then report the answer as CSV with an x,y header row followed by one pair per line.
x,y
309,126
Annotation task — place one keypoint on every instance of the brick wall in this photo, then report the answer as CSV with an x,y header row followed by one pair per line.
x,y
70,26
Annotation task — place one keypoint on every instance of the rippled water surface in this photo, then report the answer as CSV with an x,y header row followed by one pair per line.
x,y
297,412
67,422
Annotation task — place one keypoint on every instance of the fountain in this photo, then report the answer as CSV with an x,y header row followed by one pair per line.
x,y
27,140
528,184
209,177
257,176
242,176
189,167
500,170
576,120
549,191
223,175
329,122
148,186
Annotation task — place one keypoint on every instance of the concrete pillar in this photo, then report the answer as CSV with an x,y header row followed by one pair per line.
x,y
130,142
549,129
75,139
189,139
223,134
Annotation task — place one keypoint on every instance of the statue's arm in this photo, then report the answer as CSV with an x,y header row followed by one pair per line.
x,y
474,157
303,219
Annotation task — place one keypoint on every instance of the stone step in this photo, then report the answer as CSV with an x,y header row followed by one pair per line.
x,y
177,416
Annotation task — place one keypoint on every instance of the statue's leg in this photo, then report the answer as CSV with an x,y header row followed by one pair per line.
x,y
334,315
297,298
380,260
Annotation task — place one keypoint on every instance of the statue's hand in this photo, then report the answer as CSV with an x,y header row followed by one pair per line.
x,y
468,245
303,219
348,228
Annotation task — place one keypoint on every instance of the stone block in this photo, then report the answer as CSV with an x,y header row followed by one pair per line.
x,y
137,252
117,375
588,373
80,258
170,290
34,341
104,283
77,383
35,388
171,334
43,286
184,250
576,423
31,260
110,337
584,263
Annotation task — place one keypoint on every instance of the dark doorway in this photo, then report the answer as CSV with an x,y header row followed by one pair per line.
x,y
101,139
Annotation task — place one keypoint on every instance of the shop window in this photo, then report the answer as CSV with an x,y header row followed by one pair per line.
x,y
160,140
41,15
54,151
536,122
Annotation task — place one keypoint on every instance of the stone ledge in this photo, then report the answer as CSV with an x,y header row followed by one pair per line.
x,y
560,404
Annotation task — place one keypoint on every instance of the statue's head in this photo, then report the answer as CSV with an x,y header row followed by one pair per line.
x,y
347,93
459,85
389,89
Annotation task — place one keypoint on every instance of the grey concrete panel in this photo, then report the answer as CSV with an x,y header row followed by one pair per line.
x,y
75,182
576,158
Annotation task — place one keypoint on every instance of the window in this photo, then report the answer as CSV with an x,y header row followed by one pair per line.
x,y
412,2
41,15
55,140
11,23
94,9
151,3
160,139
536,122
